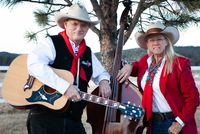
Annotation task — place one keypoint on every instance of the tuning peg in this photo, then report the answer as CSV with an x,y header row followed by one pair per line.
x,y
133,111
129,102
125,116
127,105
130,118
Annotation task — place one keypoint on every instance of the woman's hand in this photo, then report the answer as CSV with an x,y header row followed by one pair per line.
x,y
124,73
175,128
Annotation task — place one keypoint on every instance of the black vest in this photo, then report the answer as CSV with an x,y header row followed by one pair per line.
x,y
64,58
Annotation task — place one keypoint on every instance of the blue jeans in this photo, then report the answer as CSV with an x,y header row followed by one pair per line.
x,y
161,126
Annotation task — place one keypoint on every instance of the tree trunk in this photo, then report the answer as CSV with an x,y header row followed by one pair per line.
x,y
108,33
108,47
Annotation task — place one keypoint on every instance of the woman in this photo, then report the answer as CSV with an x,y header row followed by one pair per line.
x,y
170,96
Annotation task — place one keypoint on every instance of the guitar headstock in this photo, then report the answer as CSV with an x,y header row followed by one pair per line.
x,y
131,110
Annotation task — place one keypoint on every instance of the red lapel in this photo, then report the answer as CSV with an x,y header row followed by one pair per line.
x,y
163,80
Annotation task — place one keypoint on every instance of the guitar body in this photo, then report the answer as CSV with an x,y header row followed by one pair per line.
x,y
14,93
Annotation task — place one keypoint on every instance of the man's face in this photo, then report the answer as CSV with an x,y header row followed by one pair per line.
x,y
76,30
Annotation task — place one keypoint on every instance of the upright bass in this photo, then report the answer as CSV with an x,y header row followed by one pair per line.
x,y
106,120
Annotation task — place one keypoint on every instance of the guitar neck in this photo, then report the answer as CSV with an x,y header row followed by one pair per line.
x,y
99,100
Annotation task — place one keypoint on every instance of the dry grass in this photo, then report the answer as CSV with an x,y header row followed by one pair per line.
x,y
13,121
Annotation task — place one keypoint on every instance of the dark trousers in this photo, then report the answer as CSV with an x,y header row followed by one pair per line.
x,y
45,123
161,126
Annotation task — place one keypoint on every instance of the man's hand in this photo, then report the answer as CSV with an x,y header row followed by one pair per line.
x,y
104,89
72,93
175,128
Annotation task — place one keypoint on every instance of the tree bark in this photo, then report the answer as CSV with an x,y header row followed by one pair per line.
x,y
108,33
107,50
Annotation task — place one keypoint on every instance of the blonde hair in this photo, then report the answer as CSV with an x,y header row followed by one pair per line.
x,y
170,54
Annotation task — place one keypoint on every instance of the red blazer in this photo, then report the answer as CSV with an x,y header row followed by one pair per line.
x,y
178,88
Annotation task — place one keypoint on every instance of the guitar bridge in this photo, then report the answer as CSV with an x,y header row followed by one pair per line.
x,y
29,82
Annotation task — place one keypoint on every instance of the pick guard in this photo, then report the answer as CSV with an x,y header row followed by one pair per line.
x,y
42,96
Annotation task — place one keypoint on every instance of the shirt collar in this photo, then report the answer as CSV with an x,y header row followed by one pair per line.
x,y
74,46
149,60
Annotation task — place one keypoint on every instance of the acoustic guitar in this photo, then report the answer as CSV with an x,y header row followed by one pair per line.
x,y
23,91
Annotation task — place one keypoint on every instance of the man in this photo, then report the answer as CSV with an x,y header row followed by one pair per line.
x,y
67,50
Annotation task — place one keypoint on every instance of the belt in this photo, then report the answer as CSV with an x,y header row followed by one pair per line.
x,y
162,116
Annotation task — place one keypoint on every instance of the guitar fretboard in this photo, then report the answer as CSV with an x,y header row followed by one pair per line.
x,y
99,100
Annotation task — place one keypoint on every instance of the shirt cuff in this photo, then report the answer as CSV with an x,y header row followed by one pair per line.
x,y
180,121
62,89
102,77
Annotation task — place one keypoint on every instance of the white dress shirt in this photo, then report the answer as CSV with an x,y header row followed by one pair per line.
x,y
44,54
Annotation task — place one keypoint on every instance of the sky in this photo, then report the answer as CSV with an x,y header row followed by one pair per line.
x,y
16,21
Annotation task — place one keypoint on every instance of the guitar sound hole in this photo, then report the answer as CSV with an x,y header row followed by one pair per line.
x,y
49,90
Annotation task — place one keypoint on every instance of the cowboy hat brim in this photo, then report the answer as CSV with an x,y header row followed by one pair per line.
x,y
171,32
61,17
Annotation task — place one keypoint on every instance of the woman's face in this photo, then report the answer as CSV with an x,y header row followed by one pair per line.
x,y
76,30
156,44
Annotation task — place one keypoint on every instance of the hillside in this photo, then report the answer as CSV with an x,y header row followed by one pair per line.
x,y
190,52
131,54
6,58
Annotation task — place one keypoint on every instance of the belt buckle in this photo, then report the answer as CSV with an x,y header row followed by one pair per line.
x,y
162,117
